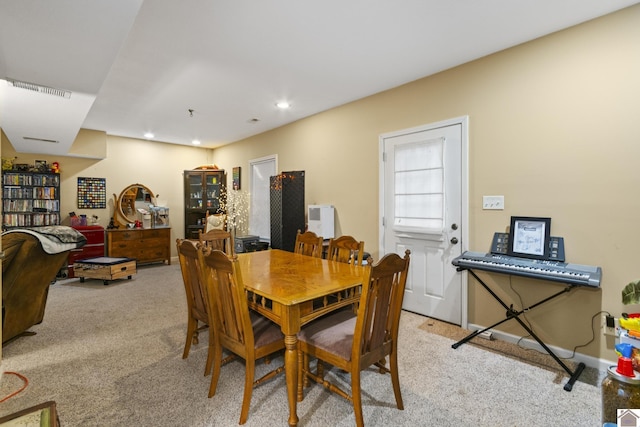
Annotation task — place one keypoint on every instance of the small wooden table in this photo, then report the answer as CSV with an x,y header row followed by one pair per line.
x,y
104,268
292,290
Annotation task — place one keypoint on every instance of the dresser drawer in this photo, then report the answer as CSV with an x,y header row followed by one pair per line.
x,y
94,237
130,235
124,236
93,233
144,245
87,251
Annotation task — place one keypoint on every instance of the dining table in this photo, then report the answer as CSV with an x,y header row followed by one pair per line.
x,y
292,290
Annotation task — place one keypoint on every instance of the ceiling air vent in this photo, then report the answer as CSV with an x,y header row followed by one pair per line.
x,y
29,138
39,88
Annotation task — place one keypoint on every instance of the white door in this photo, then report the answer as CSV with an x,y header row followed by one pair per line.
x,y
259,204
424,209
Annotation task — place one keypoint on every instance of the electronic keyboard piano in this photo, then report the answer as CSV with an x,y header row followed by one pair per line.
x,y
574,274
571,275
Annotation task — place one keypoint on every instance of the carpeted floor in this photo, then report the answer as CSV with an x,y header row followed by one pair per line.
x,y
112,356
511,350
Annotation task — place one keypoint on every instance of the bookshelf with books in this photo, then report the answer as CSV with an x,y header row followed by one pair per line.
x,y
30,199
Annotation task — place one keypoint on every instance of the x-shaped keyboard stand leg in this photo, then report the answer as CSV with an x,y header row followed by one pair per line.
x,y
514,314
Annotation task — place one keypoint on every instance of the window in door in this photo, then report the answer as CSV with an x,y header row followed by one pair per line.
x,y
419,187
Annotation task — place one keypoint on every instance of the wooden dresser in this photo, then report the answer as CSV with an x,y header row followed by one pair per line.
x,y
146,245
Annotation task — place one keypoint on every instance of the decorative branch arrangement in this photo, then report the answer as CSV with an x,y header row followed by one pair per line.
x,y
236,204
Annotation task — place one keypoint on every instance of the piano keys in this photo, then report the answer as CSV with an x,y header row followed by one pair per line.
x,y
574,274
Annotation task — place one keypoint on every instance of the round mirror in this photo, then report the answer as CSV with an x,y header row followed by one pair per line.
x,y
132,198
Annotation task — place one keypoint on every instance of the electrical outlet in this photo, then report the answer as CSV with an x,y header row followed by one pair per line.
x,y
493,202
487,335
609,325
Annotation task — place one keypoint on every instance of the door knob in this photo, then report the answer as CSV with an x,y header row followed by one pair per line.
x,y
454,240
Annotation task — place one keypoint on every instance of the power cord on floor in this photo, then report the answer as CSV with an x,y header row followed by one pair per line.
x,y
24,380
573,353
524,317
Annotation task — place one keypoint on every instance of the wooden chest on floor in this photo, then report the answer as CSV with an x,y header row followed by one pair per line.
x,y
104,268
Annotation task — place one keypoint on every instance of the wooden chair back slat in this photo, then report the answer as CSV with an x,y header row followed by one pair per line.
x,y
308,243
346,249
217,240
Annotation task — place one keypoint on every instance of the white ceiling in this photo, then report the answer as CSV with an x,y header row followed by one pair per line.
x,y
134,66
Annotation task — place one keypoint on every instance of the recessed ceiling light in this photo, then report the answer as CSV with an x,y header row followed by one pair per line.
x,y
149,135
195,142
283,105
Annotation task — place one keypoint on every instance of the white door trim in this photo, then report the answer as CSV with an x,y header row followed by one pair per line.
x,y
463,121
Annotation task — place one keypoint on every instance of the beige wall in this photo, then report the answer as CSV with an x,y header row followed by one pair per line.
x,y
552,128
128,161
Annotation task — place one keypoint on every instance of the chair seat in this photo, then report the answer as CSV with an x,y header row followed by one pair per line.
x,y
332,333
264,330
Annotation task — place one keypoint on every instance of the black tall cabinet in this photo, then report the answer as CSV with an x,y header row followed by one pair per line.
x,y
287,209
204,191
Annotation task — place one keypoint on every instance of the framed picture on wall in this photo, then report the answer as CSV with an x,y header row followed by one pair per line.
x,y
92,193
236,178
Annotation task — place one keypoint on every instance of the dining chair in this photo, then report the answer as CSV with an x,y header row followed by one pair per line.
x,y
217,239
355,342
197,313
346,249
238,330
308,243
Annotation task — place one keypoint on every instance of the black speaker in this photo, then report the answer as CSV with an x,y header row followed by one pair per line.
x,y
287,209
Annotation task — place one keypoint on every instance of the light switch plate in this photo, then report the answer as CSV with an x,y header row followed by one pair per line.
x,y
493,202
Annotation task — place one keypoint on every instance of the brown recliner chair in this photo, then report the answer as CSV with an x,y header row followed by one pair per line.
x,y
32,258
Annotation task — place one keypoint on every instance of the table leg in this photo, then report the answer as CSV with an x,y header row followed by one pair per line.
x,y
291,372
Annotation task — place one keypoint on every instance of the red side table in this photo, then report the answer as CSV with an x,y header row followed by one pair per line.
x,y
93,248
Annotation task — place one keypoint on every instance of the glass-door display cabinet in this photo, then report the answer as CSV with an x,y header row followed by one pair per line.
x,y
204,190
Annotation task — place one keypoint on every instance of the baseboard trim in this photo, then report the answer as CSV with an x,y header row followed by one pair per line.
x,y
562,353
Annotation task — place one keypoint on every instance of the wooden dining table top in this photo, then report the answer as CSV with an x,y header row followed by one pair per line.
x,y
289,278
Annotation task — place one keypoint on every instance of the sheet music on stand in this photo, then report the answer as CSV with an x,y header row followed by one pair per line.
x,y
500,244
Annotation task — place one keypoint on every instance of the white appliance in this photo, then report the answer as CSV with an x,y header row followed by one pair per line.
x,y
320,220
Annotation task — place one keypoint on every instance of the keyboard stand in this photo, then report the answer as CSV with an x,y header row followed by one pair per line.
x,y
515,314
